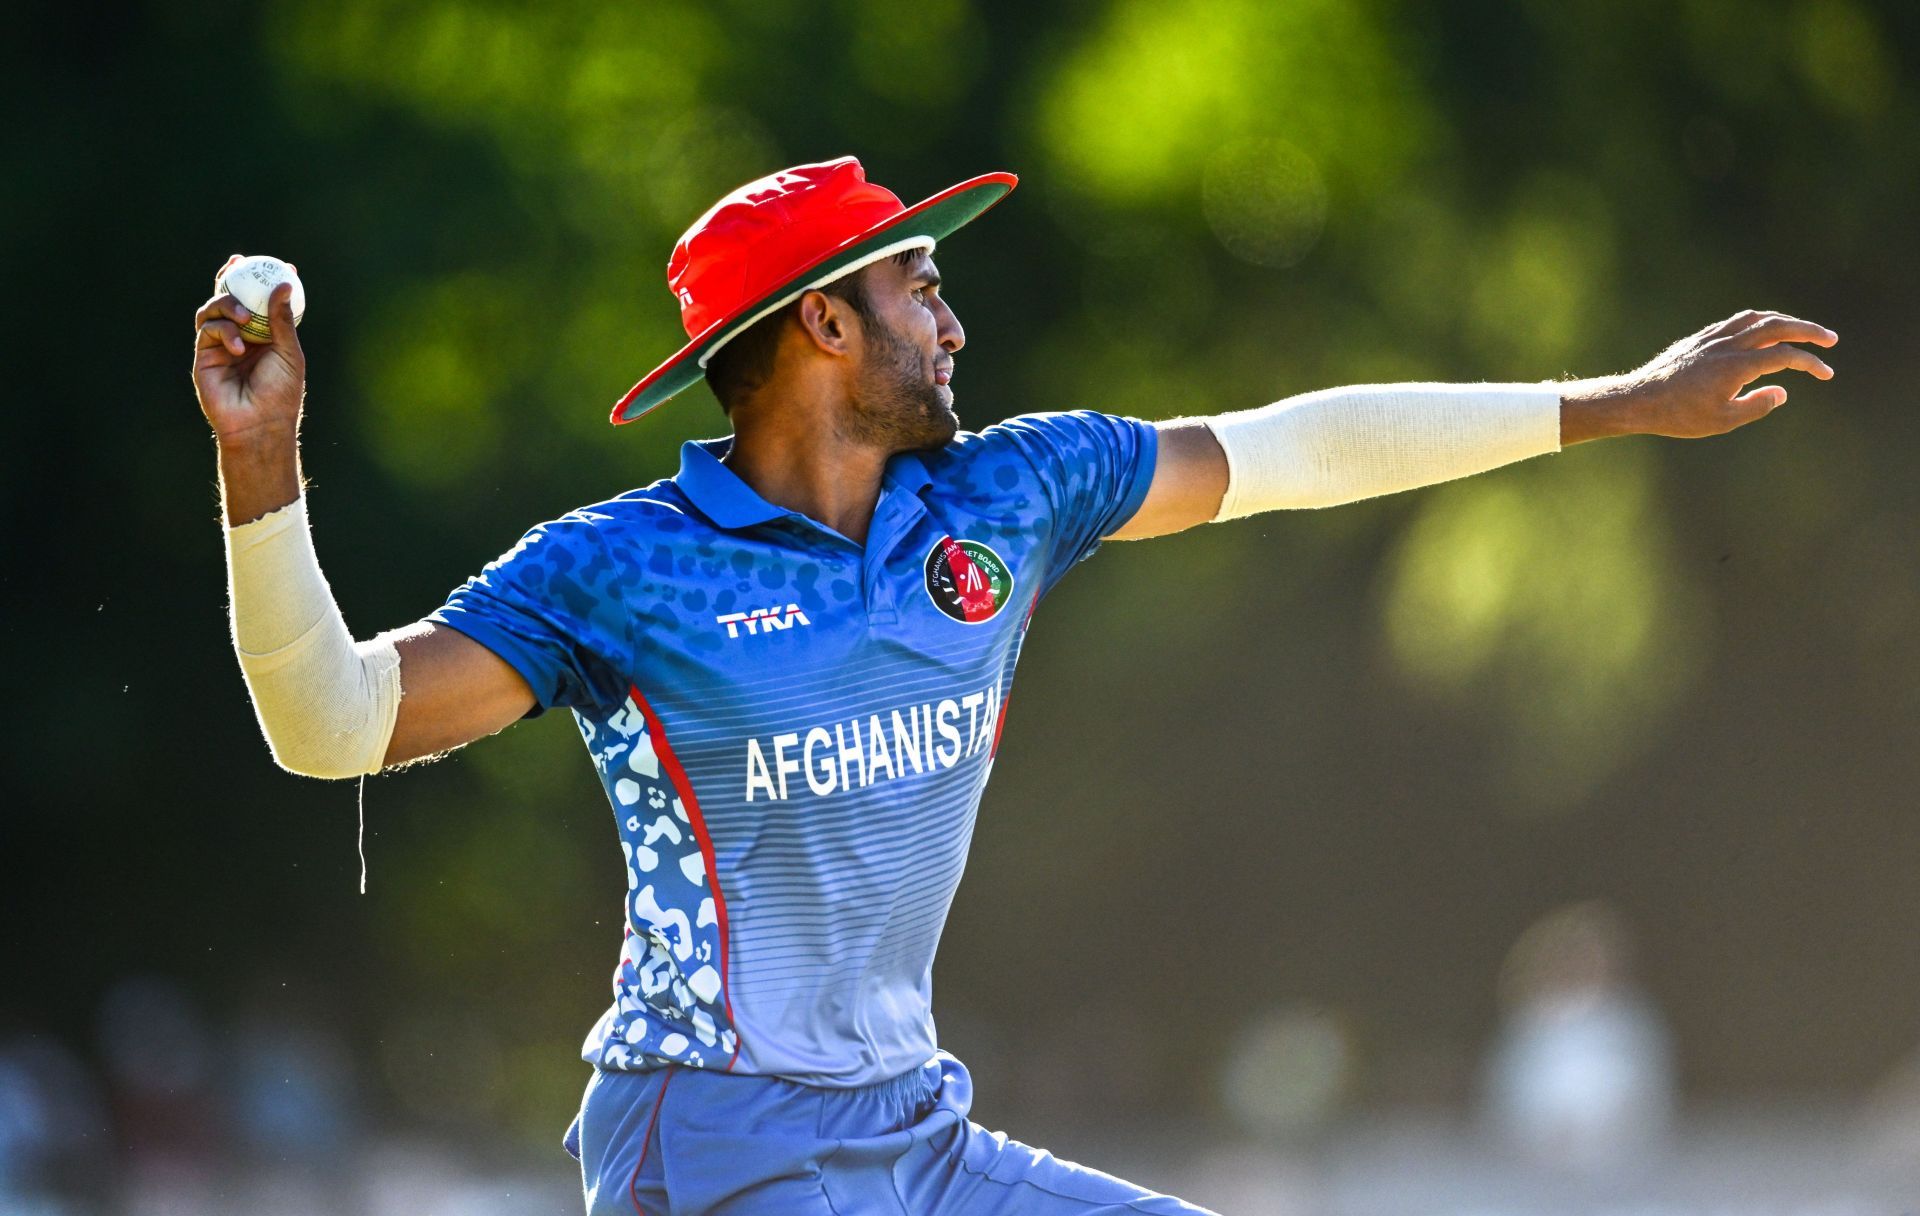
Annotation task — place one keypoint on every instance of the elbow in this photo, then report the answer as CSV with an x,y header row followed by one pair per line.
x,y
326,758
329,716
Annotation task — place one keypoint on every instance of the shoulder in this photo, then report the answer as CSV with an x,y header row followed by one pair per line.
x,y
659,508
980,465
591,534
636,516
1040,445
1004,441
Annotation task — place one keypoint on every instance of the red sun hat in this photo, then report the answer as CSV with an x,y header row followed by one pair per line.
x,y
764,245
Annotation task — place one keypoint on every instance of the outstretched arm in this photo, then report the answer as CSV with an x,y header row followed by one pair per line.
x,y
329,706
1341,445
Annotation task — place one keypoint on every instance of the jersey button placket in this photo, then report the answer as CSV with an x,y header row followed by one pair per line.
x,y
892,519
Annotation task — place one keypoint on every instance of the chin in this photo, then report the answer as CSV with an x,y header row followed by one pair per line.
x,y
913,418
933,438
934,425
944,425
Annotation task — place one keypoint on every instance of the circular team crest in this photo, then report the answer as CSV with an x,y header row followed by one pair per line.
x,y
967,580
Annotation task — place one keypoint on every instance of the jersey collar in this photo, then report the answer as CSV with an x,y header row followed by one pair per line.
x,y
731,503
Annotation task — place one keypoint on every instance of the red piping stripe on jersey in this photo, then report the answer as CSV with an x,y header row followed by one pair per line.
x,y
678,776
999,728
633,1182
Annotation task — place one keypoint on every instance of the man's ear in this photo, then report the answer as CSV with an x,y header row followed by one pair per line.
x,y
828,322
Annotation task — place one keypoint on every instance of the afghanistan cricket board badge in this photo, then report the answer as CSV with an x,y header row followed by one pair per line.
x,y
967,580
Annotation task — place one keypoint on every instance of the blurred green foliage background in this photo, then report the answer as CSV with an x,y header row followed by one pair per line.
x,y
1337,758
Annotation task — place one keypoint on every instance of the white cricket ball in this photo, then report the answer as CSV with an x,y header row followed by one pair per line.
x,y
252,280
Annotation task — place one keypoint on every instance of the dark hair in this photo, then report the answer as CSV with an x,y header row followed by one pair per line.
x,y
744,364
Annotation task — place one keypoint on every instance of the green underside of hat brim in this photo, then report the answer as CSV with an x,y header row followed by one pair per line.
x,y
935,218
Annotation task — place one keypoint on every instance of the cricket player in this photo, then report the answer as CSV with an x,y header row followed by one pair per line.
x,y
790,664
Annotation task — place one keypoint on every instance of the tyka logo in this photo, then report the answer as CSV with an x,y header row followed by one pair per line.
x,y
967,580
763,620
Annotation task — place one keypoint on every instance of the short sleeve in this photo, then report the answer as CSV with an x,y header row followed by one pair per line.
x,y
546,606
1095,470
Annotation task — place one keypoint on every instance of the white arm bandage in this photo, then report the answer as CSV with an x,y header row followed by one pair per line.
x,y
1344,444
327,705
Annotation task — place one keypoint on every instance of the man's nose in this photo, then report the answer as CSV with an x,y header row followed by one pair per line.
x,y
952,337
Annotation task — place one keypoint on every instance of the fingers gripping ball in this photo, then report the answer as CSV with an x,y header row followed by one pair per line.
x,y
251,280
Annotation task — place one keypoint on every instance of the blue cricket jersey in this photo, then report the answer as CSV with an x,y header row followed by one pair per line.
x,y
795,730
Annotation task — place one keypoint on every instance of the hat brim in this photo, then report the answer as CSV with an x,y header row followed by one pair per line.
x,y
931,218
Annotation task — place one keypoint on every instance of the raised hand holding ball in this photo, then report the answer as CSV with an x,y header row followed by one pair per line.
x,y
251,281
248,369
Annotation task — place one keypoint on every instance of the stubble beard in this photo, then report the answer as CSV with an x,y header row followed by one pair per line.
x,y
897,406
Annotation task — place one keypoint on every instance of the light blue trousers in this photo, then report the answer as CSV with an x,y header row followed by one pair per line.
x,y
691,1142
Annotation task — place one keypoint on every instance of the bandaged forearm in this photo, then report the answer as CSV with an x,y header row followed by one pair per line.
x,y
326,704
1344,444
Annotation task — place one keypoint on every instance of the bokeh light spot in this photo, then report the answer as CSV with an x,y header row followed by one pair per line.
x,y
1556,589
1264,200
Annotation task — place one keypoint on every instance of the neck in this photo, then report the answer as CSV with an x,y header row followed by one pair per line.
x,y
812,469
